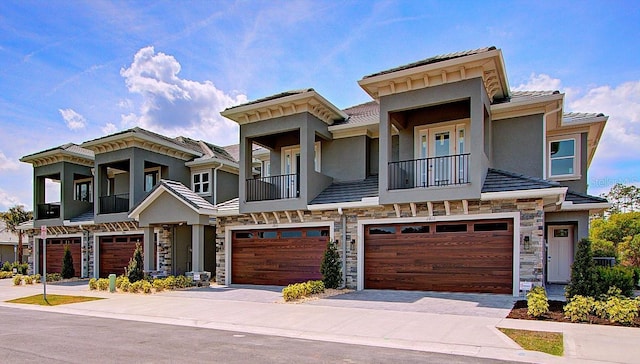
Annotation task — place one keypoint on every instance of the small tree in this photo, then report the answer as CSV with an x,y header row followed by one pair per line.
x,y
135,270
584,278
330,267
67,264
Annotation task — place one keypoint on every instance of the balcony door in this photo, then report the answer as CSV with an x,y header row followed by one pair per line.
x,y
291,172
435,153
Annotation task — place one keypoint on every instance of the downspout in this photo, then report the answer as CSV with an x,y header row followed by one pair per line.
x,y
215,184
544,139
343,221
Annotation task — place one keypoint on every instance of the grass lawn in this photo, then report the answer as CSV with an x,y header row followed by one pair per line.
x,y
546,342
53,300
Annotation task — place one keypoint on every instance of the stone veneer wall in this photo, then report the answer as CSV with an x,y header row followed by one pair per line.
x,y
531,224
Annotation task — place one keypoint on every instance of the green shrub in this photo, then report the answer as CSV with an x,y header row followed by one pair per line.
x,y
36,278
67,264
330,268
54,277
135,269
4,274
135,287
316,287
299,290
125,285
159,284
6,267
584,278
537,302
28,280
103,284
17,280
618,276
119,280
579,308
93,284
617,309
183,282
603,248
146,286
170,282
20,268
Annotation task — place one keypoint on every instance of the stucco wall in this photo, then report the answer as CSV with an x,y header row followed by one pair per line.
x,y
345,159
517,145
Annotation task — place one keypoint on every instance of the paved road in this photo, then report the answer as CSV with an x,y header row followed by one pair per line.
x,y
34,337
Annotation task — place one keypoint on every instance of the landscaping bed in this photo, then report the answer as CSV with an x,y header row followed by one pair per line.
x,y
556,314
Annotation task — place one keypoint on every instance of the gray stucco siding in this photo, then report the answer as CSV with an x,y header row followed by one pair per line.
x,y
345,159
517,145
227,188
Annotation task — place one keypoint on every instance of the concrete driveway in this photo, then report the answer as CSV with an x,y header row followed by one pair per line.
x,y
467,304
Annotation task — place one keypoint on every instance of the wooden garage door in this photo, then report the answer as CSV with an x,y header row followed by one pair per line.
x,y
466,256
115,252
277,257
55,254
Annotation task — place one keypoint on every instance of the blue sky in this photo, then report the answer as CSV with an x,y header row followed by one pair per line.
x,y
73,71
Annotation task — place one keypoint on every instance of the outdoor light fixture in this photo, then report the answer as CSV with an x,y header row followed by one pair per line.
x,y
527,243
353,244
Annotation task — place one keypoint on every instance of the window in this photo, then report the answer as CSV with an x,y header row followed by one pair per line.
x,y
201,183
291,234
83,190
560,233
491,226
453,228
441,154
151,178
382,230
266,168
291,159
316,233
422,229
563,158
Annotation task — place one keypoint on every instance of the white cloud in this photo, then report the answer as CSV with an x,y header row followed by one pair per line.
x,y
7,200
172,105
539,82
74,120
109,128
7,164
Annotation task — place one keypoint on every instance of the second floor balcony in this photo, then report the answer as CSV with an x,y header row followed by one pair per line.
x,y
49,211
429,172
273,187
114,203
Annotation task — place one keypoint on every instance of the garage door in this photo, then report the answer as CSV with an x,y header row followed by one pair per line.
x,y
115,252
55,254
465,256
277,257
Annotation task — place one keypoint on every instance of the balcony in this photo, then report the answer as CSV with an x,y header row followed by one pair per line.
x,y
273,187
48,211
114,203
448,170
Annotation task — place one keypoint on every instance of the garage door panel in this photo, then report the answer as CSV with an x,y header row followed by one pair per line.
x,y
115,253
277,261
55,255
467,261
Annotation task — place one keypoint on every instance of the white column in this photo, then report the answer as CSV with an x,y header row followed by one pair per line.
x,y
197,248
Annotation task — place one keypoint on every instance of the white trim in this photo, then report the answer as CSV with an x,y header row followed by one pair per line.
x,y
230,229
570,206
535,193
202,172
135,214
577,157
499,215
364,202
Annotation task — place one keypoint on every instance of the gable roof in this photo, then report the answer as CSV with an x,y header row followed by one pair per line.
x,y
434,59
272,97
180,192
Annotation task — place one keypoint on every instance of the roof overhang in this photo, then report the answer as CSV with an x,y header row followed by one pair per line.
x,y
524,194
365,202
531,105
213,162
57,155
487,65
593,125
309,101
133,139
598,206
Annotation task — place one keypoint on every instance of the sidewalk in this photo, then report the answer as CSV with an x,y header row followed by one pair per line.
x,y
423,331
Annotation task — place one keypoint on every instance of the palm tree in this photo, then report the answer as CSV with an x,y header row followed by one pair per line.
x,y
12,219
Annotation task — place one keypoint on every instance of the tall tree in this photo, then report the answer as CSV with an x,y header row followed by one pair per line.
x,y
12,219
623,198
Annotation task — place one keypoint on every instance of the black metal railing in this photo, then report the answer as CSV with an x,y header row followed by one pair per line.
x,y
48,211
114,203
273,187
428,172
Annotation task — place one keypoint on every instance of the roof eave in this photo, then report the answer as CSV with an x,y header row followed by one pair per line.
x,y
364,202
522,194
596,206
93,144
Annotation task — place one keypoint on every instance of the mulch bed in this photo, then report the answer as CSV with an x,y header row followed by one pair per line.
x,y
556,314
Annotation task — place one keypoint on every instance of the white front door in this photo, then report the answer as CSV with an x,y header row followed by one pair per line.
x,y
435,148
290,170
559,254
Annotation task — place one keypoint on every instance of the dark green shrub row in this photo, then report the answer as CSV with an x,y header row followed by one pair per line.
x,y
21,268
299,290
618,276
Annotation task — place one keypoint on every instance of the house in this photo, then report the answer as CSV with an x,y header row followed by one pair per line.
x,y
8,244
107,182
446,181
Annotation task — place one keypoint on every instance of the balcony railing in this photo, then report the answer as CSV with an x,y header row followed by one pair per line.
x,y
429,172
114,203
273,187
48,211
